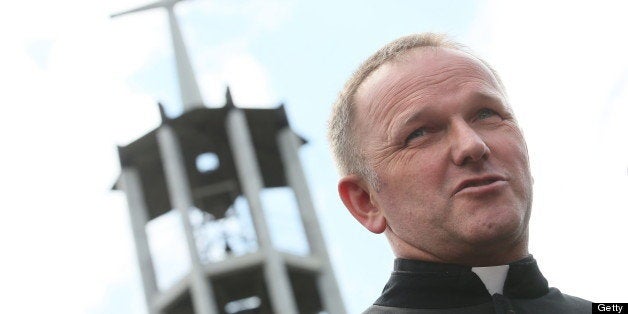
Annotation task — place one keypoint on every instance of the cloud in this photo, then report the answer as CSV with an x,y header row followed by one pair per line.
x,y
262,15
222,62
565,70
66,106
243,73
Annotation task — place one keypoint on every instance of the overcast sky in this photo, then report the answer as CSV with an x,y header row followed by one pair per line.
x,y
74,84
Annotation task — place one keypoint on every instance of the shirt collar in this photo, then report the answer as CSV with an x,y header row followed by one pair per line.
x,y
493,277
418,284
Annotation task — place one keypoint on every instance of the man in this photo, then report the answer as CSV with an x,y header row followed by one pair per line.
x,y
431,155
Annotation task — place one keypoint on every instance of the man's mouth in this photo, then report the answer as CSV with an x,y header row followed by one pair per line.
x,y
478,182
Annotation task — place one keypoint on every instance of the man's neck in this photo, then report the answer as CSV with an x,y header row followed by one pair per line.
x,y
488,255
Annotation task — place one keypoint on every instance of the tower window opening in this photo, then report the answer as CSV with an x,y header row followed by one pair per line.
x,y
242,305
207,162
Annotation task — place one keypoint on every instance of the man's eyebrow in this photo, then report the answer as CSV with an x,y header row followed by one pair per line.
x,y
484,96
413,117
473,98
491,98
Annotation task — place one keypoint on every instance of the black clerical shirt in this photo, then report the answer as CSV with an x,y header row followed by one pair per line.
x,y
424,287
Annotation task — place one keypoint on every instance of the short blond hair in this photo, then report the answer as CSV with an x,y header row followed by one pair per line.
x,y
347,152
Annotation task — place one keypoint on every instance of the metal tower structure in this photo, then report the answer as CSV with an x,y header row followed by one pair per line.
x,y
255,149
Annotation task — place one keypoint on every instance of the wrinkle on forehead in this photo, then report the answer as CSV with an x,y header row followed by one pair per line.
x,y
404,88
381,93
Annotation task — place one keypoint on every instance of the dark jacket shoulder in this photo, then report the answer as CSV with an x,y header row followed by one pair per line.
x,y
476,309
553,302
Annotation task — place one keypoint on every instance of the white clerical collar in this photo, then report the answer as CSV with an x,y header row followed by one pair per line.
x,y
493,277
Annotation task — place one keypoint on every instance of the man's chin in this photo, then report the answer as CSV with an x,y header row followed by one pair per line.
x,y
500,233
491,223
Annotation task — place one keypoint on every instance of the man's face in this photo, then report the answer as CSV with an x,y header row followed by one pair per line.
x,y
451,162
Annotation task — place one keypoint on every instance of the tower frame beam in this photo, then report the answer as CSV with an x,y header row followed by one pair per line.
x,y
131,184
181,196
289,149
248,171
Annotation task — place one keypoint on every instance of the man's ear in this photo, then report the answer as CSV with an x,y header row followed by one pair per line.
x,y
356,195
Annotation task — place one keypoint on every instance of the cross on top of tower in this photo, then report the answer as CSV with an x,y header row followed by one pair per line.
x,y
188,88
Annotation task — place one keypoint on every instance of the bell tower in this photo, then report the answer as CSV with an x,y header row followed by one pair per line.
x,y
251,150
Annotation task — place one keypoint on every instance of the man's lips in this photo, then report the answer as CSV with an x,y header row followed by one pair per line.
x,y
479,184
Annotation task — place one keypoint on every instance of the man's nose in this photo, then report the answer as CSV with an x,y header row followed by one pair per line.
x,y
467,145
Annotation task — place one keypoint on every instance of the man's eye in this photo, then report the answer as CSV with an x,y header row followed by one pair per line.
x,y
485,113
416,133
